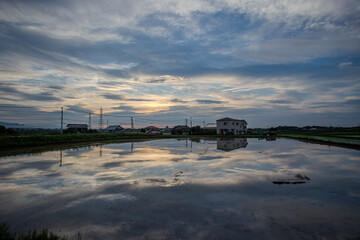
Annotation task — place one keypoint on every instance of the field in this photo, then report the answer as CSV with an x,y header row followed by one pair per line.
x,y
343,137
348,137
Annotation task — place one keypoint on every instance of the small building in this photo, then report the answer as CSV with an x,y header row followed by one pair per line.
x,y
166,131
113,128
231,126
181,130
151,128
81,128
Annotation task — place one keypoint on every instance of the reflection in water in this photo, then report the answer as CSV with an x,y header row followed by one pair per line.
x,y
61,158
173,189
229,144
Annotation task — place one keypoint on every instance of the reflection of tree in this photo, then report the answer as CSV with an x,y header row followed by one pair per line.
x,y
230,144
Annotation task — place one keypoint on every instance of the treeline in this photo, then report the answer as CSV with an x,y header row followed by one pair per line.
x,y
306,128
35,131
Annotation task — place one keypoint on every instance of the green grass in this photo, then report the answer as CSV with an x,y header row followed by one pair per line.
x,y
342,137
6,234
7,142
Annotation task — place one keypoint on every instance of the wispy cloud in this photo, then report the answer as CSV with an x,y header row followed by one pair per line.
x,y
174,58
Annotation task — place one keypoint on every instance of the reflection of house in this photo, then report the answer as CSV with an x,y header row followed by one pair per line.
x,y
231,126
181,129
151,129
113,128
78,127
231,144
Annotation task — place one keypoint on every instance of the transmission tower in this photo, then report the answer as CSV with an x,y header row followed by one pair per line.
x,y
101,119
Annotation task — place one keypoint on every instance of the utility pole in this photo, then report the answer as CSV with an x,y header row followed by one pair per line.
x,y
132,123
90,120
101,119
204,123
191,122
107,122
62,119
186,122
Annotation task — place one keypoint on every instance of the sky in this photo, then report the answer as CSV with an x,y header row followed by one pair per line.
x,y
278,62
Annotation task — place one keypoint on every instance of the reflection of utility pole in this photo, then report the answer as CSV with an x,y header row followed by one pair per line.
x,y
132,147
62,119
186,143
100,151
60,164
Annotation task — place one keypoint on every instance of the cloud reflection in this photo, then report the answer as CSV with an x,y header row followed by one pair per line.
x,y
166,186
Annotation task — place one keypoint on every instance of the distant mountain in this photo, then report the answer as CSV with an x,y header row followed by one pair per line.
x,y
12,125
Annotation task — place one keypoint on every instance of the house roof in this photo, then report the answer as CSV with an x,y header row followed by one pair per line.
x,y
77,125
231,119
113,127
210,126
181,127
151,127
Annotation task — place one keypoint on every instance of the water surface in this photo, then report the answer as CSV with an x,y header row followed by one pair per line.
x,y
182,189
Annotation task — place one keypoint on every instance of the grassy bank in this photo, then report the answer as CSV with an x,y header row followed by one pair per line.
x,y
41,140
340,138
7,142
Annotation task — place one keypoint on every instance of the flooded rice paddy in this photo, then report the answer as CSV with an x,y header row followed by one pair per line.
x,y
182,189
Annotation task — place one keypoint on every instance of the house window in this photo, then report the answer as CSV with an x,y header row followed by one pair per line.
x,y
237,124
225,123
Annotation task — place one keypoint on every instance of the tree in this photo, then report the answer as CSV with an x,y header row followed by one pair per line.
x,y
11,131
2,130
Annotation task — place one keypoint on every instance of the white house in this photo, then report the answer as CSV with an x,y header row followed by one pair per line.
x,y
231,126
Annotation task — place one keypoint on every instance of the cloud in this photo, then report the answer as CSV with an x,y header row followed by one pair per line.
x,y
175,100
113,96
204,101
79,109
289,97
124,108
139,100
11,90
345,64
257,56
156,81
